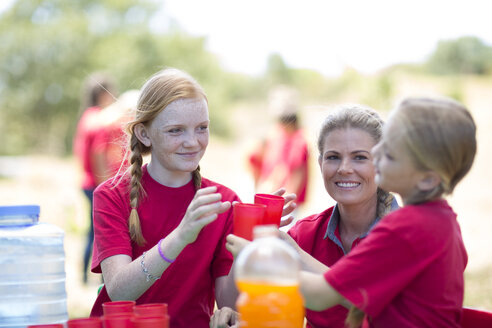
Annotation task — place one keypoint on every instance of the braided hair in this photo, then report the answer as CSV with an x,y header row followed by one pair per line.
x,y
158,92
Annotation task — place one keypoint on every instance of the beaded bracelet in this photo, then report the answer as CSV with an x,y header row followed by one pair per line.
x,y
148,276
162,254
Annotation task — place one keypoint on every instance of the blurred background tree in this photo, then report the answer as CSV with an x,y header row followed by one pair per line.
x,y
49,47
465,55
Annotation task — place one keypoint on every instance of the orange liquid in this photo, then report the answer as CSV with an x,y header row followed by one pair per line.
x,y
263,305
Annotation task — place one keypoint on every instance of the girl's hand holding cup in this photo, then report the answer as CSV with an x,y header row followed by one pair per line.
x,y
203,209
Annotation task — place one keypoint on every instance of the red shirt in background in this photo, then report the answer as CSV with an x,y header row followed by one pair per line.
x,y
85,142
409,271
187,285
281,154
111,142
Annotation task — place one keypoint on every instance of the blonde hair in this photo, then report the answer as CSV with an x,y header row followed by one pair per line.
x,y
158,92
365,119
440,136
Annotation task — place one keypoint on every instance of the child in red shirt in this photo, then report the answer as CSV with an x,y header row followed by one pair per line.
x,y
409,271
160,228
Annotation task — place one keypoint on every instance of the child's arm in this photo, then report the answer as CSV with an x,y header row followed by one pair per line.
x,y
318,294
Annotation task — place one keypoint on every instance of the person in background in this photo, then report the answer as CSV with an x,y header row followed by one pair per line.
x,y
110,137
98,92
281,160
345,141
409,271
160,227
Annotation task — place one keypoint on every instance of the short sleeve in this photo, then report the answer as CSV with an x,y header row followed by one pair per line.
x,y
378,269
111,235
293,232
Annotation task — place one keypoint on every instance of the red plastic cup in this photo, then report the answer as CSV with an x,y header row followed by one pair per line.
x,y
150,310
93,322
48,325
245,217
151,322
274,207
115,307
119,320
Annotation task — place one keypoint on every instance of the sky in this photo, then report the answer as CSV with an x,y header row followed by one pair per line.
x,y
325,35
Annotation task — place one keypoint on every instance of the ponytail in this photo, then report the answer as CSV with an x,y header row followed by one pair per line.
x,y
385,199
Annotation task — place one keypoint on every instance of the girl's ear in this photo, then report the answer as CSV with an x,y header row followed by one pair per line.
x,y
428,181
142,134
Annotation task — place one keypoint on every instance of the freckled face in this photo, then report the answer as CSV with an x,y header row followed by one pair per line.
x,y
347,166
179,137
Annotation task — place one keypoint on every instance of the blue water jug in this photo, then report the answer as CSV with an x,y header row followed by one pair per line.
x,y
32,269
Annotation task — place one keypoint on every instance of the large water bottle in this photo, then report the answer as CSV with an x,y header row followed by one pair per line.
x,y
32,269
267,276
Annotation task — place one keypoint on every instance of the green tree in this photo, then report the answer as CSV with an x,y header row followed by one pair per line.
x,y
49,47
465,55
277,71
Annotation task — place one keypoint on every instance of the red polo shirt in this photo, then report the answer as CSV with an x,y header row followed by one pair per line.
x,y
409,271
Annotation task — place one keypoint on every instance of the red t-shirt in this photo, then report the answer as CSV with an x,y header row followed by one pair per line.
x,y
409,271
187,285
111,141
85,143
287,152
319,235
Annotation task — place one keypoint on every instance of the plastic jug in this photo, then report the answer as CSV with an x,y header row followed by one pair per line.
x,y
267,276
32,269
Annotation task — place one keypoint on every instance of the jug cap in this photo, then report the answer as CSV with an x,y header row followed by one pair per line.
x,y
19,214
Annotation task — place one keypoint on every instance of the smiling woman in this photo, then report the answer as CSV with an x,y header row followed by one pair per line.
x,y
344,144
346,166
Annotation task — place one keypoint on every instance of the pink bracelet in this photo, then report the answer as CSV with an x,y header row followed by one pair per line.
x,y
162,254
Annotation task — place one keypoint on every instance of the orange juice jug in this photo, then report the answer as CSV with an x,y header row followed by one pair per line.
x,y
267,276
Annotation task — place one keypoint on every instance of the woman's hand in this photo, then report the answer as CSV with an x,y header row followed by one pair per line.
x,y
288,208
308,262
235,244
224,318
203,209
289,240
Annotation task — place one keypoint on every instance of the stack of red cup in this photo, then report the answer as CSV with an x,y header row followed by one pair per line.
x,y
151,315
123,314
93,322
